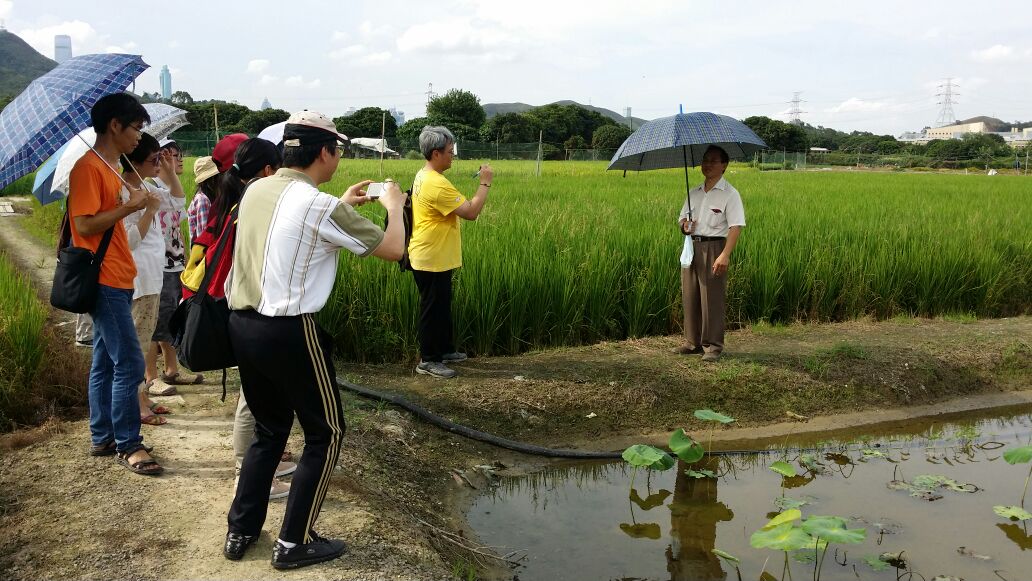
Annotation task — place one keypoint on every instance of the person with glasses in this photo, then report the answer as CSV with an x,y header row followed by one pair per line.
x,y
289,235
171,220
435,250
95,207
147,242
717,220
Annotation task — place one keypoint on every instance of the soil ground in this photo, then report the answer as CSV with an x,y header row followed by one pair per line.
x,y
401,486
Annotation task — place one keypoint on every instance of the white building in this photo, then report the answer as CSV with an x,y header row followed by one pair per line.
x,y
62,48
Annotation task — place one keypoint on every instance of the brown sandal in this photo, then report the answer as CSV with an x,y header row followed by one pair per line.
x,y
153,420
145,467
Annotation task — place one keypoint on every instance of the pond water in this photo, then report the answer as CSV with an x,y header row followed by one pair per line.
x,y
584,521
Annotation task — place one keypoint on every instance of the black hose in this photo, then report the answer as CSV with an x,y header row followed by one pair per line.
x,y
471,433
461,430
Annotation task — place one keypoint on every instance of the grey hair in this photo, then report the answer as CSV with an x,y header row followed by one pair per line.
x,y
433,138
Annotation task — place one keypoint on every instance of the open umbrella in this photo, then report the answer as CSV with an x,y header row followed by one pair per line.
x,y
56,106
52,177
273,133
681,140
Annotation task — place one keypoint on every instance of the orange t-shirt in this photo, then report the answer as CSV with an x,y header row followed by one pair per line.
x,y
94,188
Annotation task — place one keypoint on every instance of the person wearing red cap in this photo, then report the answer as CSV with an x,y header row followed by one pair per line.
x,y
225,149
288,238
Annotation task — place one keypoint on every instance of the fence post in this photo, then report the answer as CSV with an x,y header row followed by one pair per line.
x,y
541,135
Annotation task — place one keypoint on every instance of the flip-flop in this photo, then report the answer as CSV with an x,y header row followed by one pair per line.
x,y
179,378
153,420
159,409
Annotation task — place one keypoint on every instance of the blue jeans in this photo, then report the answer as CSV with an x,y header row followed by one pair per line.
x,y
116,373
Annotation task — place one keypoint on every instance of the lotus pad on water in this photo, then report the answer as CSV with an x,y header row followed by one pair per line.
x,y
712,416
783,468
833,529
1012,512
1020,455
784,537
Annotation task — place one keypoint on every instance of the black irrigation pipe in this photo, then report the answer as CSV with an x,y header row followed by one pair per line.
x,y
523,447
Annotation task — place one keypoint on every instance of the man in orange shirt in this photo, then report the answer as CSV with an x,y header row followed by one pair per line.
x,y
94,208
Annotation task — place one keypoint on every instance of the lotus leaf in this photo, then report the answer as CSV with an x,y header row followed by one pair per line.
x,y
784,537
644,456
652,501
685,447
1018,455
1012,512
868,453
833,529
712,416
700,473
784,502
787,516
727,556
933,481
783,468
875,563
810,462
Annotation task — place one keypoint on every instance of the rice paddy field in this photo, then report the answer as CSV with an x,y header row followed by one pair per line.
x,y
22,317
580,255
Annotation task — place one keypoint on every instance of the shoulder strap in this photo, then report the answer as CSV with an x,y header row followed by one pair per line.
x,y
102,249
209,269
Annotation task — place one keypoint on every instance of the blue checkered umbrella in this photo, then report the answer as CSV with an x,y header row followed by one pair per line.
x,y
681,140
56,106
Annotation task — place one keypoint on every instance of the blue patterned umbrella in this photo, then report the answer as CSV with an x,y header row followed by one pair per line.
x,y
56,106
681,140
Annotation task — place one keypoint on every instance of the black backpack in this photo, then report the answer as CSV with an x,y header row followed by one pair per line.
x,y
406,215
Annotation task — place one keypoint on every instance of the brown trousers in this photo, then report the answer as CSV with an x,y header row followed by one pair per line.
x,y
704,297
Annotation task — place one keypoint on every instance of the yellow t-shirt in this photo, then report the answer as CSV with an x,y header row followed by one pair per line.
x,y
436,244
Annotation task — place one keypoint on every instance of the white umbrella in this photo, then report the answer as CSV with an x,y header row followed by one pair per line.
x,y
164,120
273,133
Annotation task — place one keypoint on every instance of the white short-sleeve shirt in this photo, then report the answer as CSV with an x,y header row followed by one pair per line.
x,y
716,210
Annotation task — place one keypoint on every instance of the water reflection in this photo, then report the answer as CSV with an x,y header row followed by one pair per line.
x,y
694,514
555,513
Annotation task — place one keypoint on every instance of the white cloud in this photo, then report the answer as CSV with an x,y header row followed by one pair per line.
x,y
462,38
340,36
5,8
257,66
854,104
268,79
85,39
348,52
299,81
375,58
997,52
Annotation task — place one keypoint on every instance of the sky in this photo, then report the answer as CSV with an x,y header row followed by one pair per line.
x,y
869,66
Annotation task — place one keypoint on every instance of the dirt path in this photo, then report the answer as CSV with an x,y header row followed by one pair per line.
x,y
400,488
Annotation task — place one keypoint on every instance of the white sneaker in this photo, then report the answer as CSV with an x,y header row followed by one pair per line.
x,y
279,489
284,468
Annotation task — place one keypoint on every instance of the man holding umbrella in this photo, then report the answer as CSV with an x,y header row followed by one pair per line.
x,y
713,216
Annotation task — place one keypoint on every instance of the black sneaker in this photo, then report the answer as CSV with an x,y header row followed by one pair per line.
x,y
302,555
454,357
236,545
436,369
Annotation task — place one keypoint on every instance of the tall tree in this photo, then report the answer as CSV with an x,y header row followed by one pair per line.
x,y
457,107
610,136
511,128
778,134
367,122
181,98
253,122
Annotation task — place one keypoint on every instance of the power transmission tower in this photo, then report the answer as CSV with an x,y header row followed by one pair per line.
x,y
430,94
946,94
794,112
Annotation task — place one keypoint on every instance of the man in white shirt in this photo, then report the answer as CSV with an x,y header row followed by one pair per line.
x,y
714,217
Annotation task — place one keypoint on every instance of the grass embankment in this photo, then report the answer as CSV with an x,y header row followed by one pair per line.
x,y
38,378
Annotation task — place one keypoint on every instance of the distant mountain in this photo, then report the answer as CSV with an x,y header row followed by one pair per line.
x,y
493,109
20,64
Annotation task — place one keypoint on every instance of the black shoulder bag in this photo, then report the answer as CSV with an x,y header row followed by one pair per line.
x,y
406,219
200,324
77,274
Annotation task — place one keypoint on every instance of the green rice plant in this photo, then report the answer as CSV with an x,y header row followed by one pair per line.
x,y
22,317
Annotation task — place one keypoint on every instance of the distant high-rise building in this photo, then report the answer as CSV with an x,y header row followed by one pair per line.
x,y
627,115
399,116
166,83
265,104
62,48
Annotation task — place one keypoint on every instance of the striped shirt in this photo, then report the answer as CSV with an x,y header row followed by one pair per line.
x,y
197,214
287,240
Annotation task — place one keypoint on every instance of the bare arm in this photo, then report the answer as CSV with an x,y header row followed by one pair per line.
x,y
471,208
392,248
98,223
167,173
721,263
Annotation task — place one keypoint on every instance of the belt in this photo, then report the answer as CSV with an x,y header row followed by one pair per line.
x,y
709,238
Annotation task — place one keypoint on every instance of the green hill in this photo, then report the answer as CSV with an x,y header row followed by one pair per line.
x,y
493,109
20,64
